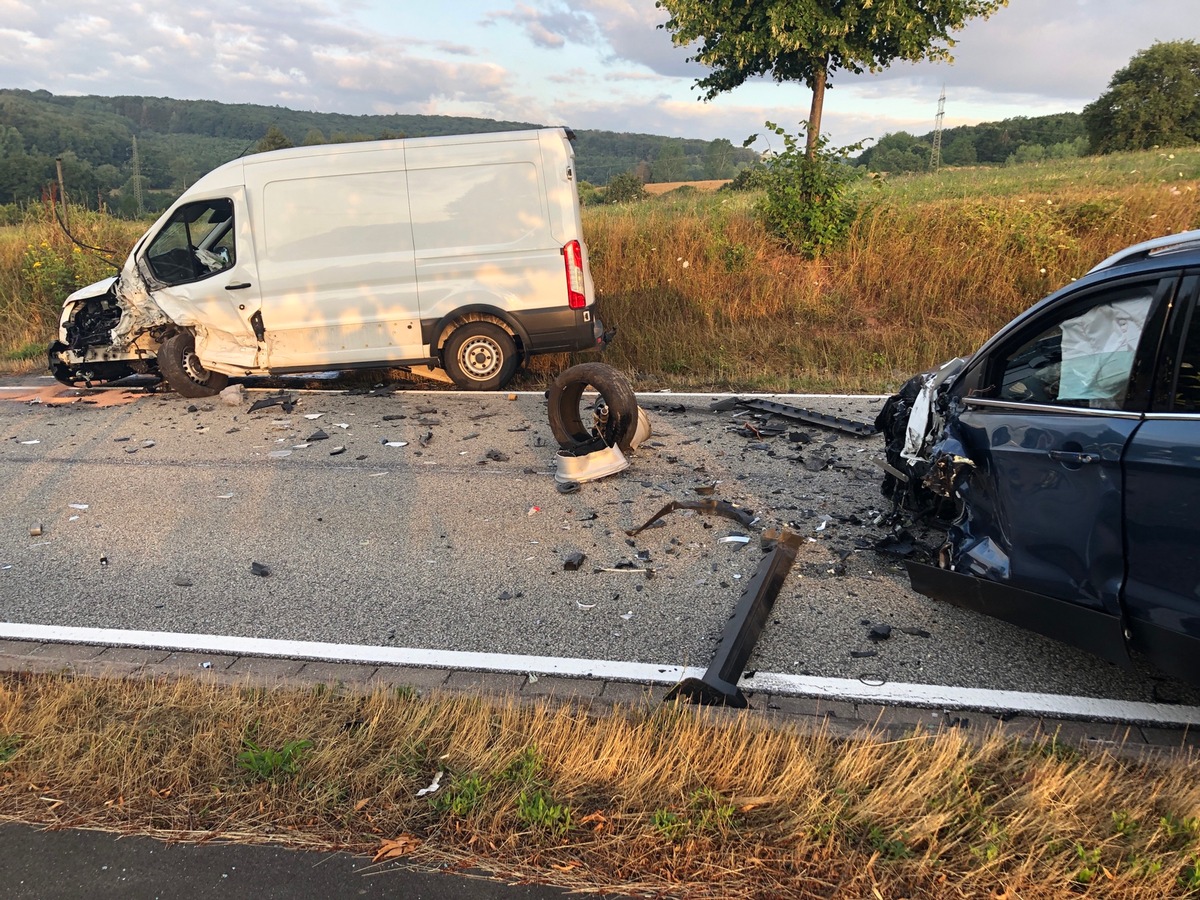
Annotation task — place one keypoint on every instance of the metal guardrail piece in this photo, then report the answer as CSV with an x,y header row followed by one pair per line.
x,y
719,687
812,417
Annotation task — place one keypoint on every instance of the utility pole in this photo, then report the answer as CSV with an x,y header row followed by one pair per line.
x,y
935,155
137,179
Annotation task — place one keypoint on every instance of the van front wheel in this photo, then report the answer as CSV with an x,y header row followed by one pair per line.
x,y
480,356
181,367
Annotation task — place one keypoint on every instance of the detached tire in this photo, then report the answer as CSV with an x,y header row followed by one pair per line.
x,y
565,419
183,371
480,356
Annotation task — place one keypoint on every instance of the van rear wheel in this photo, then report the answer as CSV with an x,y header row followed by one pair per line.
x,y
480,356
181,367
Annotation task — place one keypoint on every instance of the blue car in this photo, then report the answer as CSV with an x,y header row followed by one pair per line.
x,y
1064,457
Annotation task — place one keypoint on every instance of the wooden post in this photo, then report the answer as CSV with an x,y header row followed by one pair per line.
x,y
62,191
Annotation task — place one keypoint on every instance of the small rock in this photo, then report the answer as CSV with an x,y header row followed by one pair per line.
x,y
259,569
879,633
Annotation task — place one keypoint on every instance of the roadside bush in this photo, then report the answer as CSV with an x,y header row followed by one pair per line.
x,y
625,188
808,204
751,178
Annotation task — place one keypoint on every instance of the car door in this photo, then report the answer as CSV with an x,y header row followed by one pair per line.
x,y
1162,503
1045,427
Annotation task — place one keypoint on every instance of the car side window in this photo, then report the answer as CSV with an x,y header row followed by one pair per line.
x,y
197,241
1083,357
1187,384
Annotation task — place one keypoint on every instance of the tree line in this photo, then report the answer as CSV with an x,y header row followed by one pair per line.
x,y
177,141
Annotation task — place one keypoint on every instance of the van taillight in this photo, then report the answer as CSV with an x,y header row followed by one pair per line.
x,y
573,256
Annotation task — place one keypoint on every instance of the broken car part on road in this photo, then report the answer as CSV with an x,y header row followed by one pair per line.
x,y
1063,458
719,684
812,417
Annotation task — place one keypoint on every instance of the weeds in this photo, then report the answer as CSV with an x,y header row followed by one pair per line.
x,y
267,764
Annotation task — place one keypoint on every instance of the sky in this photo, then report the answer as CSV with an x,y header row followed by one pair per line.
x,y
600,64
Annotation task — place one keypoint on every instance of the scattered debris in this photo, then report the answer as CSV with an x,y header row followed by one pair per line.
x,y
286,403
627,616
279,454
734,539
388,443
616,423
497,456
182,581
584,463
724,508
533,510
318,435
259,569
27,443
578,604
35,530
433,785
567,487
916,632
146,445
879,633
104,560
573,561
313,416
863,654
718,686
78,505
337,451
812,417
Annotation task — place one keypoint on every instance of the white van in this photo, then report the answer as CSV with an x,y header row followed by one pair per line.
x,y
463,253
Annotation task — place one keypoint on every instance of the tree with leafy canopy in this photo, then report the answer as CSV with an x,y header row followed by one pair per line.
x,y
274,139
1152,102
809,40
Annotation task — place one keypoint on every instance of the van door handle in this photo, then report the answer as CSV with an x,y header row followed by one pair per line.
x,y
237,287
1066,456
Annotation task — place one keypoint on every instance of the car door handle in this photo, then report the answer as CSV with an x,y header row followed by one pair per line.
x,y
1072,458
237,287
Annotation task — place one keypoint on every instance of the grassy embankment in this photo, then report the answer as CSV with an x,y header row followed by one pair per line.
x,y
664,802
704,298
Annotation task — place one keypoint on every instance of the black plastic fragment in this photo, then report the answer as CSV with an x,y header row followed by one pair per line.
x,y
719,687
573,561
811,416
259,569
319,435
724,508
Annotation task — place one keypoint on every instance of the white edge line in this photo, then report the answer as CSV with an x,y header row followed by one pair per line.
x,y
935,696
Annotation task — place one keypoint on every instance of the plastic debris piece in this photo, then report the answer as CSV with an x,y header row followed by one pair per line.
x,y
532,678
300,446
206,665
73,519
512,396
879,633
279,454
433,785
916,632
30,442
496,455
146,445
104,560
863,654
338,450
533,510
395,443
712,507
627,616
35,530
317,435
78,505
259,569
182,581
265,403
734,539
705,490
5,567
224,496
578,604
573,561
313,416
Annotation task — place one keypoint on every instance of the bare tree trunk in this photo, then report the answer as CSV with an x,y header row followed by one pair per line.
x,y
814,115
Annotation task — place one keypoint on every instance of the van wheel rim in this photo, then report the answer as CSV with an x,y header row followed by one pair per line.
x,y
194,369
480,358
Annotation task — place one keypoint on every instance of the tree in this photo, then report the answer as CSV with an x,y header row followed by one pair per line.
x,y
809,40
1153,101
670,163
274,139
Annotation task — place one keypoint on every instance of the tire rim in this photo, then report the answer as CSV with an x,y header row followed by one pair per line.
x,y
193,368
480,358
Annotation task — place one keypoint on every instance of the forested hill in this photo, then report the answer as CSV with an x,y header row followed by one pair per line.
x,y
179,140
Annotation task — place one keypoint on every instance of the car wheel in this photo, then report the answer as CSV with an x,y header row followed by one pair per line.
x,y
480,356
181,367
566,419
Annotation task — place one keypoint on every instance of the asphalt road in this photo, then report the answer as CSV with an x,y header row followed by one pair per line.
x,y
457,540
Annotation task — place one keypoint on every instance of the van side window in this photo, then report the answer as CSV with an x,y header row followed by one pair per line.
x,y
197,241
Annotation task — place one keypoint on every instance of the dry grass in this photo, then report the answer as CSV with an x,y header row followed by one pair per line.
x,y
668,802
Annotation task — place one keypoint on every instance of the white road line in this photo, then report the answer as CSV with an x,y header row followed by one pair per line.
x,y
935,696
